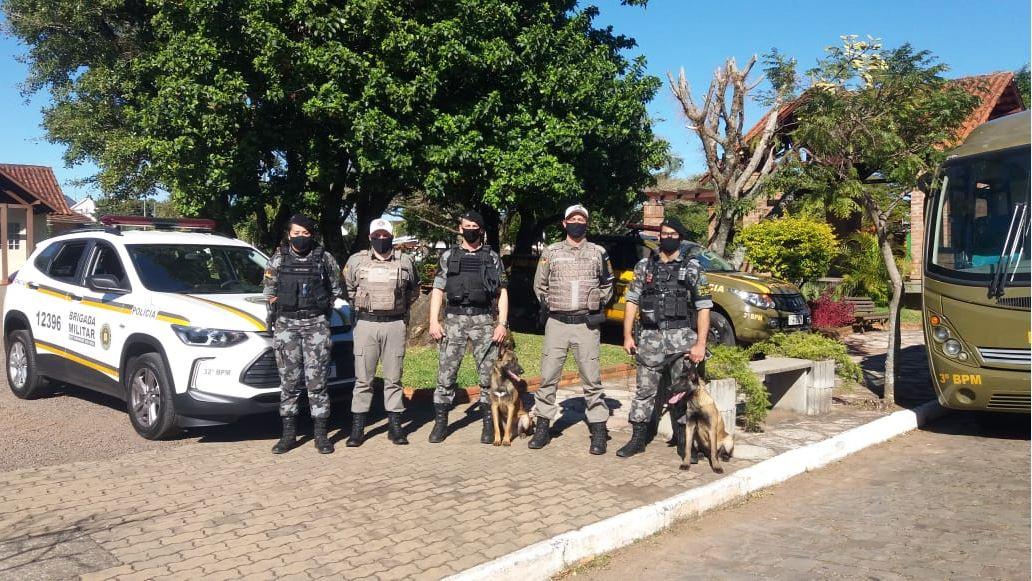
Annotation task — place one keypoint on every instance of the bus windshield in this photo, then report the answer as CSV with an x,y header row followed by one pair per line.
x,y
977,219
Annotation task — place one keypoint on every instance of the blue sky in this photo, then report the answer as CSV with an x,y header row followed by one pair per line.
x,y
971,37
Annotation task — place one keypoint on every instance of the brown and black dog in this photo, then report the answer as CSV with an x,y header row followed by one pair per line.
x,y
506,395
704,426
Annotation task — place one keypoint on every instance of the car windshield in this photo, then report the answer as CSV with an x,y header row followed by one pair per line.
x,y
976,221
196,268
711,261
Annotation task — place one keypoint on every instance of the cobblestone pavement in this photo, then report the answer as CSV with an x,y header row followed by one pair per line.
x,y
949,502
231,509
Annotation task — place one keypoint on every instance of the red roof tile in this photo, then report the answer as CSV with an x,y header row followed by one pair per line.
x,y
38,181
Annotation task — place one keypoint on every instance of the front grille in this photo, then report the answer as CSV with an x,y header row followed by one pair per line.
x,y
997,355
1017,302
790,303
263,373
1009,402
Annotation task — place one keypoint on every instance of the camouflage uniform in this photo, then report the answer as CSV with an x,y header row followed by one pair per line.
x,y
574,299
303,344
477,328
656,345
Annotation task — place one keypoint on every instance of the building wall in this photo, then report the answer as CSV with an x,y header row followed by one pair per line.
x,y
917,232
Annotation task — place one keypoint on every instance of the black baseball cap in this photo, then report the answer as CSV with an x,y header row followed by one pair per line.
x,y
473,216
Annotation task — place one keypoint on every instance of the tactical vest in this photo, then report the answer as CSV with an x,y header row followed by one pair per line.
x,y
666,297
302,284
573,281
472,278
381,287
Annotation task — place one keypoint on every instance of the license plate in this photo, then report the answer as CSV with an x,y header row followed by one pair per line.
x,y
795,320
331,371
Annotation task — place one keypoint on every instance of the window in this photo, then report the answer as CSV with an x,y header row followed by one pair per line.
x,y
15,235
66,263
46,256
107,262
198,268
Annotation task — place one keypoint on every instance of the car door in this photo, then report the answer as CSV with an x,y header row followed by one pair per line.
x,y
99,327
55,294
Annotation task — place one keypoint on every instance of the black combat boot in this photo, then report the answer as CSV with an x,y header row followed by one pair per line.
x,y
637,443
598,438
322,443
394,432
357,430
542,435
440,423
289,438
487,436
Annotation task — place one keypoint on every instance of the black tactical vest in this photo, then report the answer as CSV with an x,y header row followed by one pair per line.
x,y
666,296
302,285
472,278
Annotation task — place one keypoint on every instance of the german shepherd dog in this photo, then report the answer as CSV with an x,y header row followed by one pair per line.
x,y
704,426
506,396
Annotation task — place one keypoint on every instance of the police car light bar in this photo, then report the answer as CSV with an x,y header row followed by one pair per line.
x,y
202,224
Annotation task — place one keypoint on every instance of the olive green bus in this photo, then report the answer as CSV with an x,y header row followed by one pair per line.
x,y
976,273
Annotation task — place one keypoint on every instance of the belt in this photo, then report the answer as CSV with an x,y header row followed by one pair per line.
x,y
569,319
672,324
302,314
460,310
363,316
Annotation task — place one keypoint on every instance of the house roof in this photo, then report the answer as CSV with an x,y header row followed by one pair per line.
x,y
38,182
998,92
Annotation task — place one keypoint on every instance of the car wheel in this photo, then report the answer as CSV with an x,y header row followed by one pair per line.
x,y
22,373
720,330
149,400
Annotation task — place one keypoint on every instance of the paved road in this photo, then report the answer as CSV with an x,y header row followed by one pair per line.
x,y
950,502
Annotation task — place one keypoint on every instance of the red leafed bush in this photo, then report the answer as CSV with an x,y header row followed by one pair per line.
x,y
828,313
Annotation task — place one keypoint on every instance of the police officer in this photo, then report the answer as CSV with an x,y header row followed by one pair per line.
x,y
381,285
670,292
574,281
301,284
469,278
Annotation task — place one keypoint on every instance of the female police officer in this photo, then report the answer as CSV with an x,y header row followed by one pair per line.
x,y
301,284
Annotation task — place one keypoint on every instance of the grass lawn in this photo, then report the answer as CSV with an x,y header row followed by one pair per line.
x,y
912,316
421,362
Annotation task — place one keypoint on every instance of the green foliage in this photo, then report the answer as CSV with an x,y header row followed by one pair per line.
x,y
134,207
694,216
1021,77
863,270
810,346
729,362
796,248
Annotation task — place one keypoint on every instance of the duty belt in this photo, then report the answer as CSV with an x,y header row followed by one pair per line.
x,y
302,314
460,310
364,316
672,324
569,319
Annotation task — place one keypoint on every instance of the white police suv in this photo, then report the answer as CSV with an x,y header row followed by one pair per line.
x,y
163,314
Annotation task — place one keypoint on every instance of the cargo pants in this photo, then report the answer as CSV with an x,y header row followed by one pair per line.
x,y
378,343
457,329
654,347
559,338
302,346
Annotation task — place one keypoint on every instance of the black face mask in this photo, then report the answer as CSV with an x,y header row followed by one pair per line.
x,y
576,230
302,244
471,235
382,246
669,245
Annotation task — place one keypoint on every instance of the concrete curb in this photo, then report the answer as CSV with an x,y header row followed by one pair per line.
x,y
546,558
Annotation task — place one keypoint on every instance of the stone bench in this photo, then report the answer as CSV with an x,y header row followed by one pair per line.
x,y
797,385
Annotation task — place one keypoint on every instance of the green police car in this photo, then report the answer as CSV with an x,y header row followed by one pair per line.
x,y
746,307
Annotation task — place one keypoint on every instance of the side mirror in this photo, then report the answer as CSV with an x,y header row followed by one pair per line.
x,y
104,283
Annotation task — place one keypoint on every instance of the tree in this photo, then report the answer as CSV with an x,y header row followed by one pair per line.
x,y
250,110
876,124
737,168
1021,77
134,207
694,216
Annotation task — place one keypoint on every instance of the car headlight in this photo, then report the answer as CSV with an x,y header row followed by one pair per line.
x,y
762,301
203,337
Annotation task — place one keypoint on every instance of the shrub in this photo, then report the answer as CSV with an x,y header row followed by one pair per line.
x,y
863,270
828,313
809,346
733,363
794,248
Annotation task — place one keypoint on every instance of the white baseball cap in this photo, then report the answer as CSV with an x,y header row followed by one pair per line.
x,y
380,224
576,209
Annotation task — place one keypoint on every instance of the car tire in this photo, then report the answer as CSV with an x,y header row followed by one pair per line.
x,y
721,332
149,397
22,372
